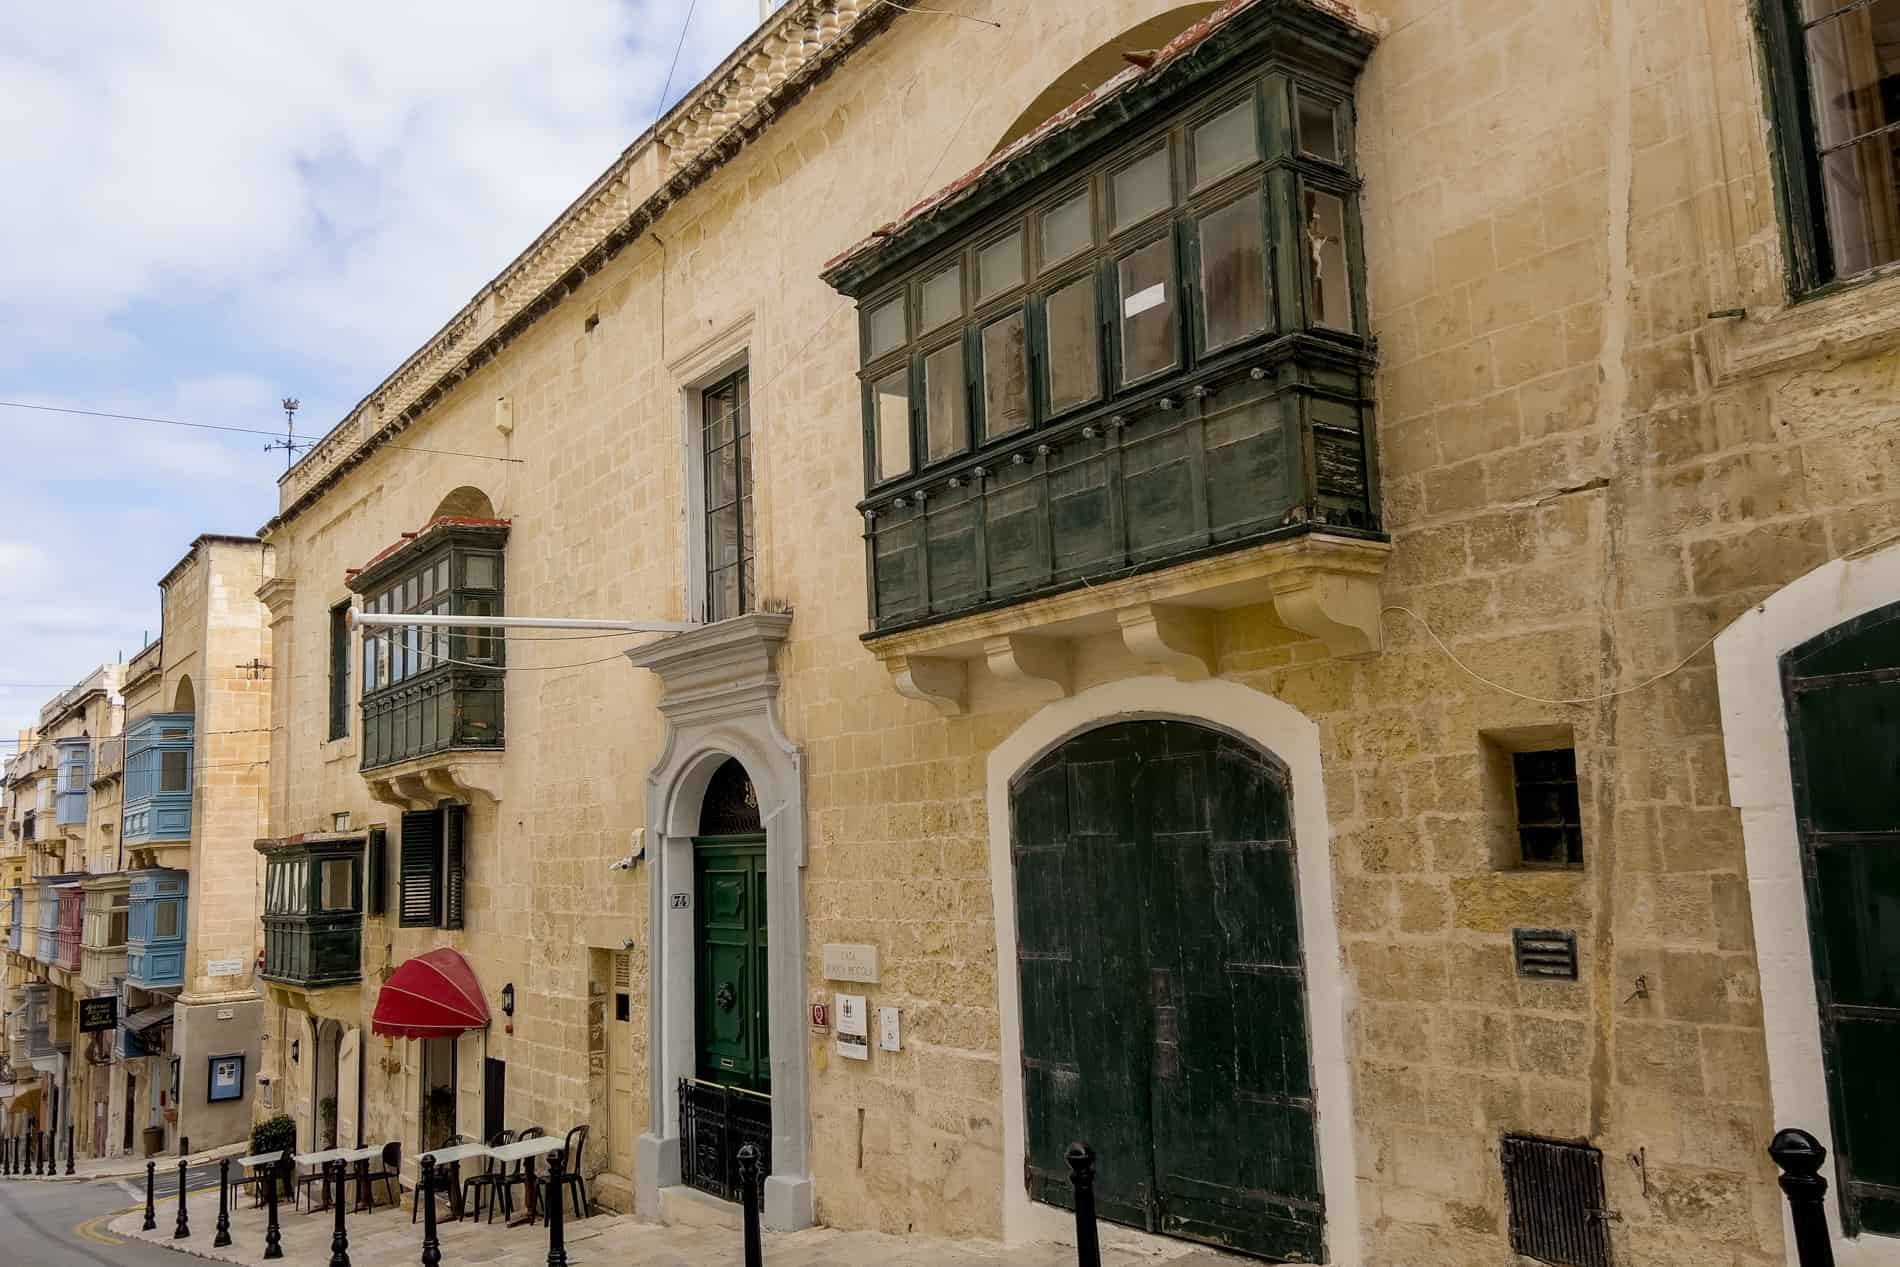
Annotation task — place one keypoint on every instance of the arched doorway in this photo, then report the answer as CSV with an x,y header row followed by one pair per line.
x,y
184,700
728,1101
325,1101
1163,986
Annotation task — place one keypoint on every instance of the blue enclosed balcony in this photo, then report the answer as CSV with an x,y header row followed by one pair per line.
x,y
75,781
39,1023
155,930
46,925
158,754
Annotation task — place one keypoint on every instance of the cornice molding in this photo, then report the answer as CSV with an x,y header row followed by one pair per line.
x,y
796,49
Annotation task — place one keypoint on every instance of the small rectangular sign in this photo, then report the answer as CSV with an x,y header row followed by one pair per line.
x,y
227,1013
853,1048
1142,300
682,900
853,1019
850,963
226,1080
224,967
99,1015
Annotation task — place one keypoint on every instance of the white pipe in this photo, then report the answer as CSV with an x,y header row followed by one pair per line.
x,y
403,620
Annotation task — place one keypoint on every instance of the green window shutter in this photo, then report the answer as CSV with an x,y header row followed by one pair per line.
x,y
421,898
452,869
375,862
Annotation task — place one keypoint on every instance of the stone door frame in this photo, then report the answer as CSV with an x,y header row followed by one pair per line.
x,y
1277,728
1761,787
721,702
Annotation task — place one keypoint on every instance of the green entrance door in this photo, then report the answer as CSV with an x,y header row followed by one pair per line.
x,y
1843,694
1163,988
729,978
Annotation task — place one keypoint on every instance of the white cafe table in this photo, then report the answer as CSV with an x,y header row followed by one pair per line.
x,y
525,1151
257,1161
319,1161
452,1157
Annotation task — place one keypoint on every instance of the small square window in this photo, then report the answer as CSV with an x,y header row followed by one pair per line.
x,y
999,266
884,328
340,822
1225,143
1549,816
1068,228
481,571
1143,187
1319,126
943,297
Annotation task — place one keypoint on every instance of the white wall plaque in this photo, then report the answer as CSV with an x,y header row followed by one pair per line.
x,y
854,1027
887,1031
850,963
224,967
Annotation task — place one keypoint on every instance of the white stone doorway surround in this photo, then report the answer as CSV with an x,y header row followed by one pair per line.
x,y
1761,786
1278,728
721,700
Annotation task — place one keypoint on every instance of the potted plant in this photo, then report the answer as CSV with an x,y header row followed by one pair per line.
x,y
326,1116
275,1135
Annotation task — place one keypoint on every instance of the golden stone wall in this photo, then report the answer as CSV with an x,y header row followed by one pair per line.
x,y
1585,477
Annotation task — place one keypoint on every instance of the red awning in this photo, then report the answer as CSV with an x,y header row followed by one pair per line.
x,y
434,995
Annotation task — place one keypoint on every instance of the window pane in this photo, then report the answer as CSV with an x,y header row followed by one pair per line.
x,y
1074,371
1066,229
722,593
1326,260
481,571
1147,316
884,328
174,771
1852,59
115,928
999,266
1005,376
722,476
1233,272
1224,143
944,429
165,920
943,297
722,537
335,895
1861,208
890,398
1142,188
1319,127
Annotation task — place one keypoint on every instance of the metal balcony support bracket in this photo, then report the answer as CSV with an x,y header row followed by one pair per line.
x,y
936,681
1041,667
1179,640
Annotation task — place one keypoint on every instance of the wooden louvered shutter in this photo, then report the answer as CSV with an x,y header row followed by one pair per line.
x,y
376,871
421,897
453,818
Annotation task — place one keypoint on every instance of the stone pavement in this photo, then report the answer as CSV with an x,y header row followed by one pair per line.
x,y
387,1239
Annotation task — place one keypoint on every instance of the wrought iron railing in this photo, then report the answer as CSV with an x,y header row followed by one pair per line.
x,y
715,1123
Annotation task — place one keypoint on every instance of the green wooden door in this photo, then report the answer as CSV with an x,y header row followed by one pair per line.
x,y
730,978
1843,692
1163,990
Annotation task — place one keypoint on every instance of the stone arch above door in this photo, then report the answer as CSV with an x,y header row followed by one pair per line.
x,y
720,704
1273,727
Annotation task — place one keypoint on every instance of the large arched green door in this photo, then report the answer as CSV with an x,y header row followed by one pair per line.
x,y
1843,698
1163,987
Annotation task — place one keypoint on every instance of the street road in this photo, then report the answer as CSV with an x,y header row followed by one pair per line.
x,y
63,1224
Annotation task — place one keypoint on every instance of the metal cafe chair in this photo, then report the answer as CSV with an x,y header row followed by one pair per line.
x,y
519,1175
391,1163
572,1180
488,1183
415,1204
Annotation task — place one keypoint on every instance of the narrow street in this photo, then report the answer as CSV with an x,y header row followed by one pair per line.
x,y
64,1224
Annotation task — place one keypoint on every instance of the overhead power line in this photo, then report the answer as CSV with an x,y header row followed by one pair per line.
x,y
214,426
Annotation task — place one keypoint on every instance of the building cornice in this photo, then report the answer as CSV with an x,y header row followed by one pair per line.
x,y
796,49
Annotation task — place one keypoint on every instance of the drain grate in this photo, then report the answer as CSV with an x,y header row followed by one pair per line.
x,y
1555,1191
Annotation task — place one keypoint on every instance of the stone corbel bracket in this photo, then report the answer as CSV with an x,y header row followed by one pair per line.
x,y
428,781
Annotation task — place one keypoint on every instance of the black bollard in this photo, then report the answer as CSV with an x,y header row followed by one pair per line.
x,y
557,1221
48,1165
749,1191
183,1227
273,1237
340,1240
1088,1248
6,1155
223,1237
151,1210
69,1148
1800,1157
431,1247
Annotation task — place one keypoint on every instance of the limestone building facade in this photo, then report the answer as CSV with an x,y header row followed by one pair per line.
x,y
1253,561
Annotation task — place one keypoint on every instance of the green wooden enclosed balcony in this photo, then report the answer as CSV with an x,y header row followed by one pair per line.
x,y
313,910
1130,348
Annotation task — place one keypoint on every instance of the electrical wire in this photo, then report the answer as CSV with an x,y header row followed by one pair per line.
x,y
1544,699
659,107
213,426
944,13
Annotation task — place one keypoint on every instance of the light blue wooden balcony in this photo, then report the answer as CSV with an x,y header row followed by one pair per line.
x,y
158,759
75,781
155,930
46,930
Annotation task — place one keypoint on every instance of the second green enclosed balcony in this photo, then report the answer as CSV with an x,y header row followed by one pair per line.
x,y
313,909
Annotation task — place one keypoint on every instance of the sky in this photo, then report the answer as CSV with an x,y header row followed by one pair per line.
x,y
207,208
